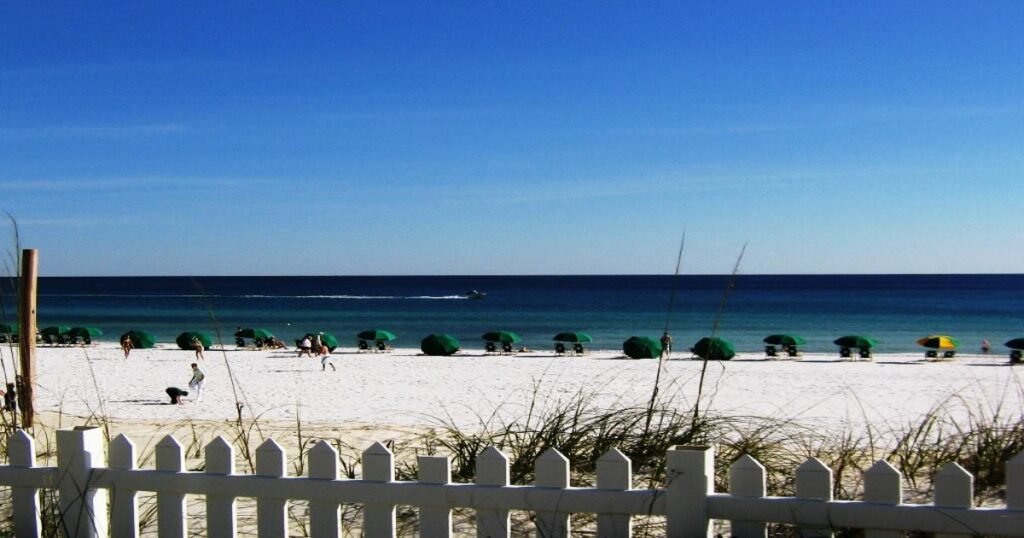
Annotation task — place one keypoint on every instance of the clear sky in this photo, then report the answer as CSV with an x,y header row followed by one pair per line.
x,y
366,138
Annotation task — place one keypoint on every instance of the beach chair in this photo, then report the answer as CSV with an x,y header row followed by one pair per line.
x,y
559,348
770,352
931,354
792,352
1016,356
578,349
949,354
845,353
382,346
489,347
865,354
506,348
363,346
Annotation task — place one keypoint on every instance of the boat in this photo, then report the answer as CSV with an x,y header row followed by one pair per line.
x,y
474,294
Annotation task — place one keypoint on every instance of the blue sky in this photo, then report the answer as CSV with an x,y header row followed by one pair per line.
x,y
188,138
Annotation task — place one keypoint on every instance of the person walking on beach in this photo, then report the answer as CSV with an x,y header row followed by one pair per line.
x,y
197,345
126,345
197,381
326,359
306,346
666,345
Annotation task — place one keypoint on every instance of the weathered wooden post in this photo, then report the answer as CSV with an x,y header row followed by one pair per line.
x,y
27,328
83,508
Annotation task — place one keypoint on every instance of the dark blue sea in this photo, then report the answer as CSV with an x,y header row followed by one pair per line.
x,y
895,309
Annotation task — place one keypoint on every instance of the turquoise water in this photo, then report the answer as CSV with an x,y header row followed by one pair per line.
x,y
895,309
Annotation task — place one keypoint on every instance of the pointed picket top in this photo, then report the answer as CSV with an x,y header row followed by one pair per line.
x,y
169,455
21,449
323,461
747,477
814,480
270,459
378,463
220,456
492,468
1015,483
122,453
614,470
552,469
883,484
954,487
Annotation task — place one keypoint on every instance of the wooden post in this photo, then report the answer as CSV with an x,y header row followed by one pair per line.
x,y
27,328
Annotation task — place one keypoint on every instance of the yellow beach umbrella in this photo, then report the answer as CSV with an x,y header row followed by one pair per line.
x,y
938,341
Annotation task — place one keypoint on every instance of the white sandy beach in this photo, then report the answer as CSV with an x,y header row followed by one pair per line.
x,y
404,389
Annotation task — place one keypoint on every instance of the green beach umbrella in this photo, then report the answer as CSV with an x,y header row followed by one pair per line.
x,y
938,341
377,335
855,340
184,340
575,337
440,344
713,348
327,338
784,340
55,330
140,339
642,347
1016,343
505,337
85,332
262,334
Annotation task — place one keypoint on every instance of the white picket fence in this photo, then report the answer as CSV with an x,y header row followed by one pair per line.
x,y
97,498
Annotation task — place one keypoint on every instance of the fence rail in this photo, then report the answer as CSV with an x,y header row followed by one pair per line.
x,y
99,497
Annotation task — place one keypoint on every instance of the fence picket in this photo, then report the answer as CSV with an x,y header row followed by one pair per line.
x,y
324,519
83,508
124,503
691,478
170,505
21,452
271,511
221,511
435,470
883,484
814,483
954,488
492,470
747,479
379,466
614,471
1015,483
551,470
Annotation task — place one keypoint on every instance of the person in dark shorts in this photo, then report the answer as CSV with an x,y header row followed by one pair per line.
x,y
175,393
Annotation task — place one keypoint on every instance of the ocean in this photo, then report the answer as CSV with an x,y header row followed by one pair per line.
x,y
894,309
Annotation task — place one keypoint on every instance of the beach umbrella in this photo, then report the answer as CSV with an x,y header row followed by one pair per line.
x,y
440,344
262,334
1016,343
55,330
140,339
855,340
784,340
938,341
184,340
84,332
377,335
575,337
713,348
642,347
327,338
505,337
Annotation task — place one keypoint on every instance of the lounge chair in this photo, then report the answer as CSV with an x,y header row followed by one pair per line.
x,y
240,342
489,347
3,338
559,348
865,354
770,352
845,353
949,354
792,352
578,349
506,348
382,346
363,346
1016,356
931,354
